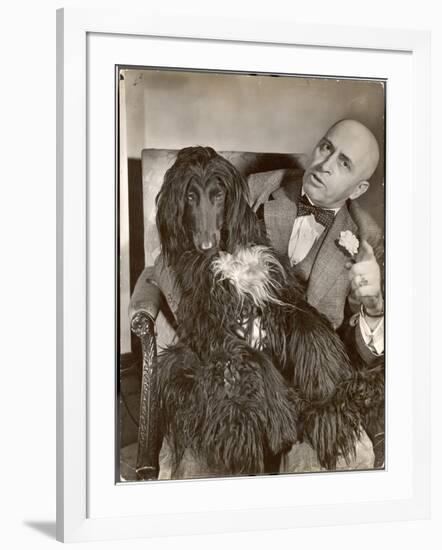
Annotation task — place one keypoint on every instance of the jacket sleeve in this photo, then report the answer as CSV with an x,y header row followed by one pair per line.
x,y
262,185
352,335
166,281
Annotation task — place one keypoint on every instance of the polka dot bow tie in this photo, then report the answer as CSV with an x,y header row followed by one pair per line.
x,y
321,215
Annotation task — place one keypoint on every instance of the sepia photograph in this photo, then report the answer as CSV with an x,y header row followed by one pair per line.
x,y
250,259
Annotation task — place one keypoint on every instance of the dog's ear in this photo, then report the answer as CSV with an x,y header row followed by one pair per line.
x,y
170,203
241,224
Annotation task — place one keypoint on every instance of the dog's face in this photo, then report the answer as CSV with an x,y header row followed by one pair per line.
x,y
202,205
204,213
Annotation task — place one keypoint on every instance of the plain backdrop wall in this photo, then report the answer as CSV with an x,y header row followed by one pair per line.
x,y
281,114
27,227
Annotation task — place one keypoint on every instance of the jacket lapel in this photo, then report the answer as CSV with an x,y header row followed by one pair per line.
x,y
331,259
329,264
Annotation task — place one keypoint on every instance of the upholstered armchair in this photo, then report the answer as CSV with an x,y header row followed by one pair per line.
x,y
151,318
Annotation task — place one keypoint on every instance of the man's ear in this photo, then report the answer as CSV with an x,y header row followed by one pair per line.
x,y
360,189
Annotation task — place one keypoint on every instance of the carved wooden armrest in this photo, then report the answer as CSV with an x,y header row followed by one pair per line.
x,y
147,467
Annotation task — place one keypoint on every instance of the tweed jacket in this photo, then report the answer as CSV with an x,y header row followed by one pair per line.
x,y
328,286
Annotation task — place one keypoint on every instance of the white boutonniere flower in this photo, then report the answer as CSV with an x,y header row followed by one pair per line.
x,y
349,242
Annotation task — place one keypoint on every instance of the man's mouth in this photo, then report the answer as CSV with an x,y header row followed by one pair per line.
x,y
316,179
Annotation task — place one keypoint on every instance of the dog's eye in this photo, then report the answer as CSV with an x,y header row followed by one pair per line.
x,y
219,196
190,196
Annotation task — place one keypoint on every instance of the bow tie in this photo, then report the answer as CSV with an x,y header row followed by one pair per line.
x,y
321,215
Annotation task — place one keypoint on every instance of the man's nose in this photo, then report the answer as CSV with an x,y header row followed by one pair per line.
x,y
328,163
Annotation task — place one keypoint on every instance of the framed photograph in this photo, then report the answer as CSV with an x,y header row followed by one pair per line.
x,y
294,112
268,107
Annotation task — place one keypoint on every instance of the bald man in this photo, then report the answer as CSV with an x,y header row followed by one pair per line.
x,y
337,172
304,216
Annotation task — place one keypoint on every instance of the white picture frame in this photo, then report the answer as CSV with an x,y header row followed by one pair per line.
x,y
90,506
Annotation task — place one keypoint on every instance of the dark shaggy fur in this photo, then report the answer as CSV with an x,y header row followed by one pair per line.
x,y
229,409
220,397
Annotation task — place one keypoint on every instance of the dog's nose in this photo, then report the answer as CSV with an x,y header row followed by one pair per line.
x,y
207,245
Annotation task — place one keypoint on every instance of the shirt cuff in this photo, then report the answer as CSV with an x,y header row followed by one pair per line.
x,y
373,337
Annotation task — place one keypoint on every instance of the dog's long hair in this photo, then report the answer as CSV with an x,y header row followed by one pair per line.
x,y
219,396
203,164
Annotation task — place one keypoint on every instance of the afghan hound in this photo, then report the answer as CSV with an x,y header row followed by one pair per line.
x,y
256,368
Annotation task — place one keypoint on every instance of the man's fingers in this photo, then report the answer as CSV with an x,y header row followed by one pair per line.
x,y
362,282
364,277
361,267
355,284
369,291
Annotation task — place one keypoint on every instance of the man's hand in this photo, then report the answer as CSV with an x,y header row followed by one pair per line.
x,y
365,279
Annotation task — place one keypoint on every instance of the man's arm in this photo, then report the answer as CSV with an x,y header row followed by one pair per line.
x,y
262,185
367,300
369,267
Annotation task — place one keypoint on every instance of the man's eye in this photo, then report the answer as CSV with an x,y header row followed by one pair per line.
x,y
325,146
345,164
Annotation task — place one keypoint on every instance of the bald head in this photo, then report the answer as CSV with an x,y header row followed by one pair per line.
x,y
363,139
341,164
